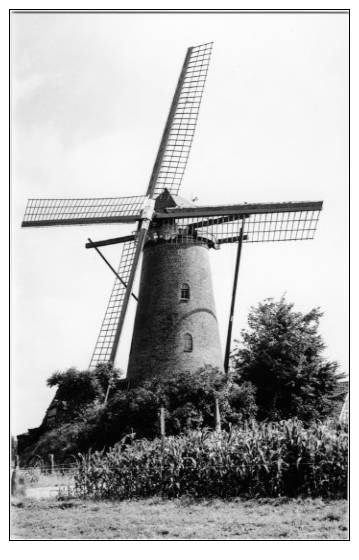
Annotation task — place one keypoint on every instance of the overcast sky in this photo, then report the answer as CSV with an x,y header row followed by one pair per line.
x,y
90,95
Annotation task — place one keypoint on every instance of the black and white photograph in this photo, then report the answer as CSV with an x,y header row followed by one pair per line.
x,y
179,198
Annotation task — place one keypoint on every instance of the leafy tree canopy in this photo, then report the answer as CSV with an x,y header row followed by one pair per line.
x,y
281,354
77,389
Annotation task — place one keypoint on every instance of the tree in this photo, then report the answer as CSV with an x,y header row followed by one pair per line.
x,y
76,390
281,354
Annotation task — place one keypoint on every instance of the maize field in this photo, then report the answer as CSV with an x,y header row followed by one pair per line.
x,y
253,460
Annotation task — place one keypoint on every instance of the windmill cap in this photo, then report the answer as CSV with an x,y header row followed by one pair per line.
x,y
169,200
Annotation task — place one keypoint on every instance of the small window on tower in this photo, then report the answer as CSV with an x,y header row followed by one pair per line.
x,y
188,342
185,292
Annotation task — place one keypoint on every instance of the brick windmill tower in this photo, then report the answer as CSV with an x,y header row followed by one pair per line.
x,y
175,327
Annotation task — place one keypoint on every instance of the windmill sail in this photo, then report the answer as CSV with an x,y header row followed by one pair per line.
x,y
181,123
106,338
292,221
41,212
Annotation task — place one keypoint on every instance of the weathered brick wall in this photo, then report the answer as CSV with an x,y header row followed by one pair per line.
x,y
162,318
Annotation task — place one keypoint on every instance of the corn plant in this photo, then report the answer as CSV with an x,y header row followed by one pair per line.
x,y
267,460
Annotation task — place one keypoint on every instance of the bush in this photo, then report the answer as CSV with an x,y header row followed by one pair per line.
x,y
189,401
188,398
256,460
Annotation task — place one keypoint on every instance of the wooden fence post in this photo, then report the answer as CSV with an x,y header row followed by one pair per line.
x,y
52,463
162,427
14,481
217,416
14,455
14,466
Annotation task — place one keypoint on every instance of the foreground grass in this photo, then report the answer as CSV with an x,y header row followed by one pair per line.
x,y
34,478
180,519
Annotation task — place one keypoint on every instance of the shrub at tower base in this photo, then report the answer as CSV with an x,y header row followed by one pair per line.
x,y
252,460
86,419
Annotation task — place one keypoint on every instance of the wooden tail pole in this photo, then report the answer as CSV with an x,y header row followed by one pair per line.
x,y
234,291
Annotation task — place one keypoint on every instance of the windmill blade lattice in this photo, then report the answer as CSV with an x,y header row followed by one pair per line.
x,y
298,223
178,134
106,337
259,228
42,212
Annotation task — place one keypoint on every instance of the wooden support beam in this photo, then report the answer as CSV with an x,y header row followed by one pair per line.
x,y
81,221
231,239
111,268
240,209
112,241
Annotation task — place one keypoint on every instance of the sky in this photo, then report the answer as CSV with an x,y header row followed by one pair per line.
x,y
90,95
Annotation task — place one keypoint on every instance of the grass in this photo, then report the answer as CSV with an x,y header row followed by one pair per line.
x,y
37,478
157,519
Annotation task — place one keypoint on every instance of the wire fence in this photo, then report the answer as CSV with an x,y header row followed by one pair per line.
x,y
48,469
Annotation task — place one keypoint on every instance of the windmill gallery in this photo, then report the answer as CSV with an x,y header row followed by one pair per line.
x,y
173,236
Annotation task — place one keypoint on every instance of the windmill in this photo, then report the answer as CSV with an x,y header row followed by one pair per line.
x,y
175,326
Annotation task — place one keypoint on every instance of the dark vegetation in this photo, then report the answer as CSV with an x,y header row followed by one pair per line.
x,y
271,459
278,372
281,355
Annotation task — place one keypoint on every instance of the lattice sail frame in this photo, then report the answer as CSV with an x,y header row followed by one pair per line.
x,y
106,337
263,222
181,124
82,211
258,228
